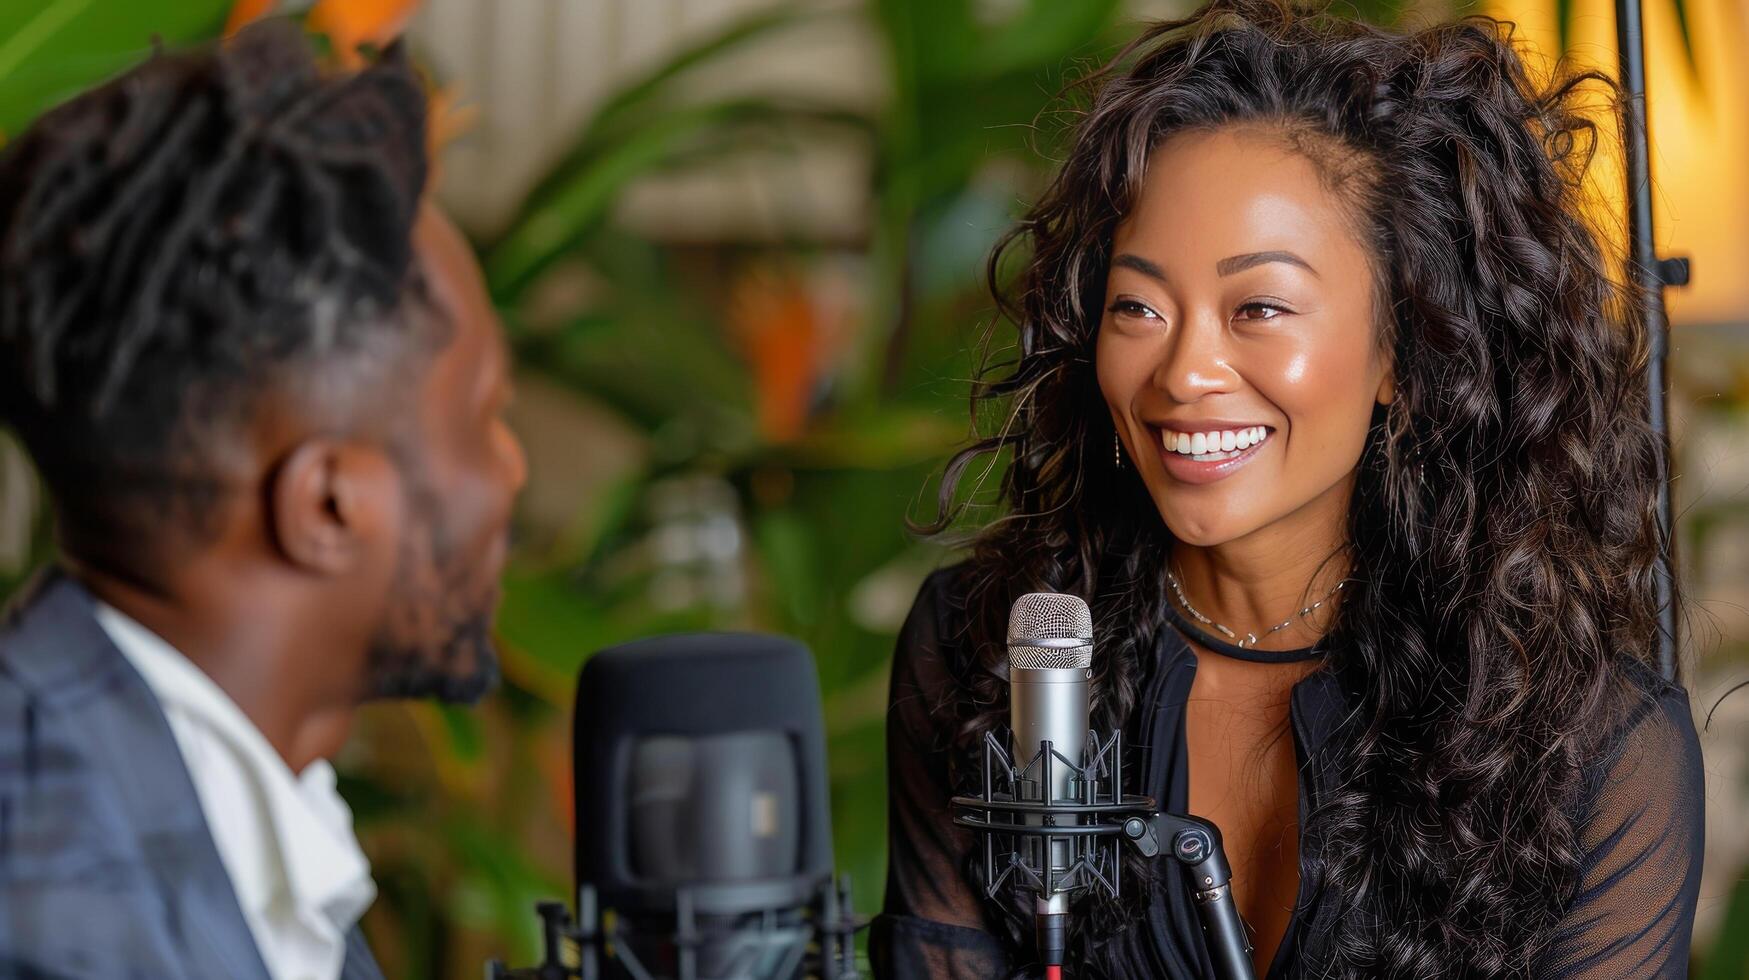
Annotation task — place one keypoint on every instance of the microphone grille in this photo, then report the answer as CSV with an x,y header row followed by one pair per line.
x,y
1055,619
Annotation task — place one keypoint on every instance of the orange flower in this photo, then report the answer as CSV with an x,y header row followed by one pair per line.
x,y
346,23
787,336
350,23
246,11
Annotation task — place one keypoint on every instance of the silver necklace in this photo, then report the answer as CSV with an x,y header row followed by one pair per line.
x,y
1251,639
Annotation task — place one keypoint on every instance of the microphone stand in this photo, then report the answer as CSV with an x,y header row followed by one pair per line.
x,y
1650,274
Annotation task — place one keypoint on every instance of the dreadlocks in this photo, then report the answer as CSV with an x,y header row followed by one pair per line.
x,y
173,242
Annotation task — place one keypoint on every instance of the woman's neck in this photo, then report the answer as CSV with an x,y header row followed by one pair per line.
x,y
1252,583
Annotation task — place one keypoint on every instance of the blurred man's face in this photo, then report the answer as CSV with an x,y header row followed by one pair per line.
x,y
461,470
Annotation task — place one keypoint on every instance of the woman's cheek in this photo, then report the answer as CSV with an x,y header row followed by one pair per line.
x,y
1121,364
1328,408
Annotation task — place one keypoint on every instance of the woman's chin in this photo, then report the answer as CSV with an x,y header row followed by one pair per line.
x,y
1200,532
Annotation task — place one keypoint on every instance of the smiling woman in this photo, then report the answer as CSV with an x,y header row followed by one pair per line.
x,y
1317,353
1215,325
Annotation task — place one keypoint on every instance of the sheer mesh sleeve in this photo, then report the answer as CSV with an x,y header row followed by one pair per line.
x,y
932,922
1642,841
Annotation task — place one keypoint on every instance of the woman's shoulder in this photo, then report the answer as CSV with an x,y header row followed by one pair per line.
x,y
1649,747
939,614
1641,841
934,642
1653,707
930,658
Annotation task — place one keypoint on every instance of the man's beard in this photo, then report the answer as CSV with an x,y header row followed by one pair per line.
x,y
437,640
461,670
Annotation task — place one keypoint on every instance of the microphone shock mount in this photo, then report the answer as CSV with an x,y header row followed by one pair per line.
x,y
1062,848
805,929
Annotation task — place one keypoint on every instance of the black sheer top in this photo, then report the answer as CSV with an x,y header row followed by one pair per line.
x,y
1631,916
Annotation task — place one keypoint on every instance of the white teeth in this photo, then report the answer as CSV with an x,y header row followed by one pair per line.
x,y
1214,444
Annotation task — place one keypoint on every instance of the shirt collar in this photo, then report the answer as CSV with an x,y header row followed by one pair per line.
x,y
309,827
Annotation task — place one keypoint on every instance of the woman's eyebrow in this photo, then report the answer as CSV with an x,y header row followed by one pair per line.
x,y
1225,267
1239,263
1131,261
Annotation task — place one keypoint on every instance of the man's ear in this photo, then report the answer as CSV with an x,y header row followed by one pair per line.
x,y
332,504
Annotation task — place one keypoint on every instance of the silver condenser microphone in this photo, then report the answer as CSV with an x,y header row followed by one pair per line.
x,y
1050,656
1053,810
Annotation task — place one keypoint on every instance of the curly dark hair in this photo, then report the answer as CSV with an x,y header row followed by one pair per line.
x,y
1503,530
174,242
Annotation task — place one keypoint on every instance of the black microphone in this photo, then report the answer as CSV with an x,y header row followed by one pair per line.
x,y
1053,812
703,835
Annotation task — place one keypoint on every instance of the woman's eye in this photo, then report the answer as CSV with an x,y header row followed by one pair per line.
x,y
1129,307
1274,311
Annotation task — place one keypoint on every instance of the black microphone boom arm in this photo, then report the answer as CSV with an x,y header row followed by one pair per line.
x,y
1196,845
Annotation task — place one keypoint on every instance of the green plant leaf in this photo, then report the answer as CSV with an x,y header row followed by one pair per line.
x,y
1729,957
924,40
1040,37
891,438
546,617
653,370
572,203
633,104
54,49
1567,10
1382,12
463,728
791,564
502,884
1684,30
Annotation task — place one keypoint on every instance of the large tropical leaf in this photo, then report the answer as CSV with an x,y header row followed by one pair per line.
x,y
1568,12
52,49
633,104
571,203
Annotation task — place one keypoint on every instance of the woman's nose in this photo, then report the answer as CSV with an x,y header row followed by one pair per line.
x,y
1195,360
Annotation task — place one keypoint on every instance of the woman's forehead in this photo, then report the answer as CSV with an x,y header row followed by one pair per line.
x,y
1231,191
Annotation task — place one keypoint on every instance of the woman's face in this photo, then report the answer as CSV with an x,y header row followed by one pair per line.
x,y
1239,306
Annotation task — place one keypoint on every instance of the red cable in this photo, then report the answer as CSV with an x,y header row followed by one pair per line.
x,y
1053,973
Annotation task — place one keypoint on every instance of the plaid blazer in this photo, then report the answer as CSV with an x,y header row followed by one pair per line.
x,y
107,868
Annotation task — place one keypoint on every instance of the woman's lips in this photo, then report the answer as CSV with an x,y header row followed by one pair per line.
x,y
1188,470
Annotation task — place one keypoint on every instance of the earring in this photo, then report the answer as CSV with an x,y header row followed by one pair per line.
x,y
1116,450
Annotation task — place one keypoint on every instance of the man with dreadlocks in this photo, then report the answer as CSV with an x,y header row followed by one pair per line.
x,y
263,384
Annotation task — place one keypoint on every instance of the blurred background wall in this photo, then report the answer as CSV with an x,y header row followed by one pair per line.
x,y
739,248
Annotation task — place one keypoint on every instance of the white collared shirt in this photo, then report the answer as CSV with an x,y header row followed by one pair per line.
x,y
286,840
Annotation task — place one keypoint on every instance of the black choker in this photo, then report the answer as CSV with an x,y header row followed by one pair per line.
x,y
1237,652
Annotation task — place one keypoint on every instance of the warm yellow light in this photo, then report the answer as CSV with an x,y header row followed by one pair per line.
x,y
1699,123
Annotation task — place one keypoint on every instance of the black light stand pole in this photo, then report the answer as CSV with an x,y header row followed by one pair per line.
x,y
1645,270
